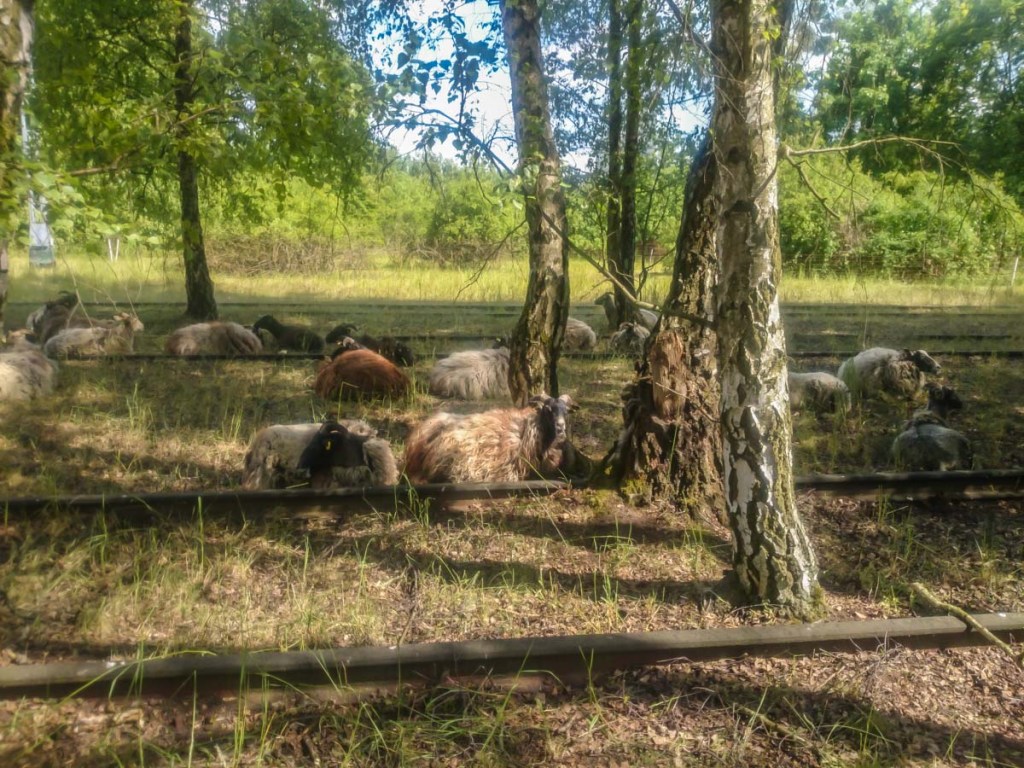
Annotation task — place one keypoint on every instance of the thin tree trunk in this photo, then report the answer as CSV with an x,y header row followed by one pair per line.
x,y
772,553
670,443
15,52
201,304
613,223
537,340
626,261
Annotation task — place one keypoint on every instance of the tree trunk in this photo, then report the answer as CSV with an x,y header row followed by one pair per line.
x,y
201,304
15,47
772,554
669,445
625,263
613,222
537,340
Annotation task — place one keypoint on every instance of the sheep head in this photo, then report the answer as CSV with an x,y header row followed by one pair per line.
x,y
554,418
265,322
333,446
345,344
943,399
925,362
339,332
130,321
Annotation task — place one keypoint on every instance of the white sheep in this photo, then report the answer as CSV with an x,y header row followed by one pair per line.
x,y
579,337
339,454
500,445
26,373
630,339
821,392
473,375
214,338
895,372
116,340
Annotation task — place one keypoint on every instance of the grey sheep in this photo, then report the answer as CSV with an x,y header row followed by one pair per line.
x,y
644,317
26,373
630,339
579,337
116,340
473,375
926,443
286,455
214,338
821,392
500,445
895,372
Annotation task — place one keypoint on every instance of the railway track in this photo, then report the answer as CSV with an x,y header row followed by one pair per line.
x,y
569,658
911,486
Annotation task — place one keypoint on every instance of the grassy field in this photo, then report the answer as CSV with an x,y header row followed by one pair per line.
x,y
102,587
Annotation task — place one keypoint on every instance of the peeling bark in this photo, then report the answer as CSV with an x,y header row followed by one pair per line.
x,y
537,339
16,29
200,301
669,445
772,553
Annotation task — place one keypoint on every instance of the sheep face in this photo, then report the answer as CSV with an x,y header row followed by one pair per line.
x,y
942,399
333,446
925,362
554,418
402,354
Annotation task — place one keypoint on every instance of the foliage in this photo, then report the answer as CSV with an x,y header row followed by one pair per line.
x,y
915,225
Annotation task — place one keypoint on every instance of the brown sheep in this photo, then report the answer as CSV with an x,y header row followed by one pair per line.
x,y
354,372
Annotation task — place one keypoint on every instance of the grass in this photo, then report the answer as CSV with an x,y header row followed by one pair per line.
x,y
103,587
142,275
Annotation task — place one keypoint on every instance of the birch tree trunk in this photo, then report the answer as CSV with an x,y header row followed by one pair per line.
x,y
15,51
537,340
200,301
772,554
669,445
626,262
613,218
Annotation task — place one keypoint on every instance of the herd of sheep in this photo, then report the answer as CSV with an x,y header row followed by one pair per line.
x,y
498,445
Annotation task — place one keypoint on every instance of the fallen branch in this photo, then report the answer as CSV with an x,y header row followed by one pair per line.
x,y
921,591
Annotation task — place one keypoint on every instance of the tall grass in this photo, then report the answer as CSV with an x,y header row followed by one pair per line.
x,y
156,276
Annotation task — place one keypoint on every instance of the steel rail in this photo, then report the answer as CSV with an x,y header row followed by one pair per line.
x,y
989,485
568,658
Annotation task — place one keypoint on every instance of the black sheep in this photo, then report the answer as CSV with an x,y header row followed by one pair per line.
x,y
294,337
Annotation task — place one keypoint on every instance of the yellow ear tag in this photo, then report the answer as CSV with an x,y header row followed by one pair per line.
x,y
327,445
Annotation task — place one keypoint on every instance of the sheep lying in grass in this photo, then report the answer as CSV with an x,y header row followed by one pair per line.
x,y
926,443
899,373
630,339
117,340
473,375
293,337
821,392
644,317
355,372
54,316
334,454
500,445
579,337
394,350
26,373
215,338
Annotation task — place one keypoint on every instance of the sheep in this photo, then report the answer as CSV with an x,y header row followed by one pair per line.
x,y
644,317
294,337
118,340
354,371
500,445
26,373
821,392
337,456
630,339
926,443
284,455
878,370
579,337
472,375
394,350
51,313
216,338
